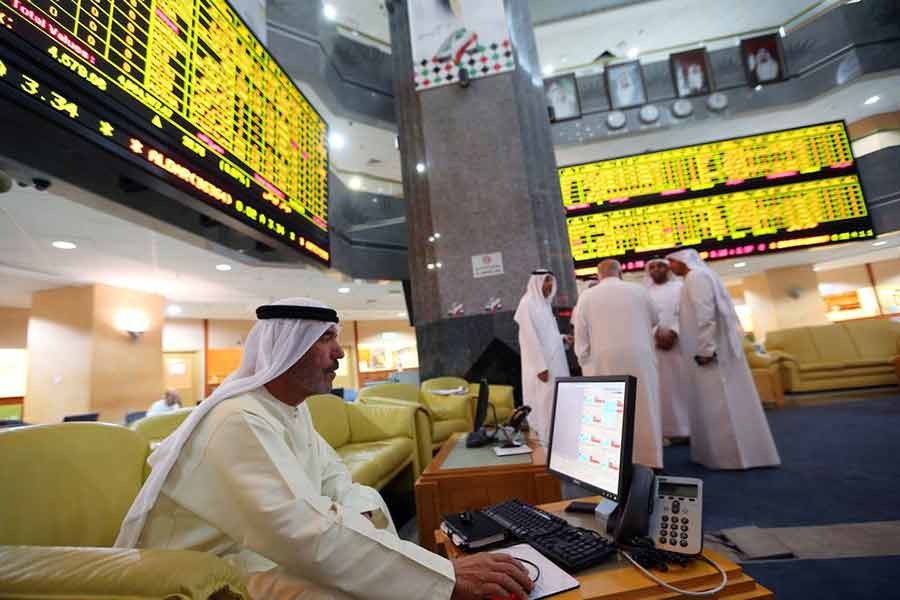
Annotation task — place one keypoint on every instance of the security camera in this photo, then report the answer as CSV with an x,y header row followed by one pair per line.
x,y
5,182
464,79
41,184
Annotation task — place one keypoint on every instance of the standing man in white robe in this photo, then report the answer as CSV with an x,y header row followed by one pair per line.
x,y
675,386
728,427
248,478
543,351
614,323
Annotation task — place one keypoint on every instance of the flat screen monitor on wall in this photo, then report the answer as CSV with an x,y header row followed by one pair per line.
x,y
784,190
184,91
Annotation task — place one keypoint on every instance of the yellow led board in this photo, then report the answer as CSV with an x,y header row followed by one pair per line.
x,y
752,195
185,89
701,167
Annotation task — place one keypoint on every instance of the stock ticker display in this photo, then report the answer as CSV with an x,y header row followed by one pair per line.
x,y
752,195
185,90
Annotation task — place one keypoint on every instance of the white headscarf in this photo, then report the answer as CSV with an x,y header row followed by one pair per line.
x,y
724,305
272,347
539,309
648,281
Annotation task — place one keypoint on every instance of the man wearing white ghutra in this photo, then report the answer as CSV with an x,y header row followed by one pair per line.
x,y
247,477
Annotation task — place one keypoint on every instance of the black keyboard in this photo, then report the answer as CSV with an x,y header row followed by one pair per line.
x,y
570,547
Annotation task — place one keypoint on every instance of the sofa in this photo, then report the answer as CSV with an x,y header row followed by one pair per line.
x,y
445,414
838,356
405,394
374,438
376,442
766,372
66,488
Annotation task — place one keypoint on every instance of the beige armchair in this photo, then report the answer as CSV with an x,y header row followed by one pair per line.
x,y
766,372
452,411
66,488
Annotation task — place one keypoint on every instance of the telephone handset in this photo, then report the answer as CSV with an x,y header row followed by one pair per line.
x,y
668,510
518,417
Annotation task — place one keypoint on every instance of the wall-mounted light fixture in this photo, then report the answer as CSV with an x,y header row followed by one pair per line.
x,y
132,321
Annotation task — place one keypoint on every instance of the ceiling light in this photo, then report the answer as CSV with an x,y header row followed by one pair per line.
x,y
781,31
344,290
430,266
547,70
437,236
879,243
420,167
439,265
872,100
740,265
173,310
329,12
336,140
64,245
356,183
817,269
401,314
223,267
758,87
431,239
633,52
563,59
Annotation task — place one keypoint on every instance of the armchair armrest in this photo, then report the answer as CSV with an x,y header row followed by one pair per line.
x,y
782,356
423,423
761,361
373,422
49,572
445,408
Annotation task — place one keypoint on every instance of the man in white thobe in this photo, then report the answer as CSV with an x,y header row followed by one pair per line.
x,y
614,323
170,402
728,427
675,386
248,478
543,351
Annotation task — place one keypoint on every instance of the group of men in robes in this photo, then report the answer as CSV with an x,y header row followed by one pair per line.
x,y
681,339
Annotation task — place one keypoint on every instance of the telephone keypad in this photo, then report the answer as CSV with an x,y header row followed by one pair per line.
x,y
673,516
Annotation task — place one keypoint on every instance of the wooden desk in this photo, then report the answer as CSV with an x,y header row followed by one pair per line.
x,y
618,579
441,490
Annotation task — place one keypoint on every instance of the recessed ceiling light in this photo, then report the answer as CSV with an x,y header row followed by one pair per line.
x,y
336,140
740,265
223,267
356,183
879,243
173,310
872,100
329,12
420,167
547,70
437,236
64,245
344,290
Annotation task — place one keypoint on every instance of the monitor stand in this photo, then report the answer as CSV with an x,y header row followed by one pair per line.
x,y
603,512
479,438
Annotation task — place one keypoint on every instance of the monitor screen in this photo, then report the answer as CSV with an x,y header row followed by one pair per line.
x,y
184,91
738,197
592,433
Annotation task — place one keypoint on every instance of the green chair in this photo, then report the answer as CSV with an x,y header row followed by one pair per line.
x,y
156,428
62,518
453,411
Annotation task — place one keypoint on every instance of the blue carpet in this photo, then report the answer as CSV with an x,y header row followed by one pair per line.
x,y
843,579
839,465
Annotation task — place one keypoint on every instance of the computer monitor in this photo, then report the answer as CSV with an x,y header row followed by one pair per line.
x,y
592,433
81,417
481,408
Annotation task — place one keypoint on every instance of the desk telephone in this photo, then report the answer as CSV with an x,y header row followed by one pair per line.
x,y
668,510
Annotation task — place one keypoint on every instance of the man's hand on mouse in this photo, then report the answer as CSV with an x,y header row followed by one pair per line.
x,y
489,575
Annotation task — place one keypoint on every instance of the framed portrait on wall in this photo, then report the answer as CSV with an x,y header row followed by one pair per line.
x,y
691,73
561,94
625,84
763,59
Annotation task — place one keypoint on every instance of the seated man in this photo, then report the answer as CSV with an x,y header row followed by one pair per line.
x,y
248,478
170,402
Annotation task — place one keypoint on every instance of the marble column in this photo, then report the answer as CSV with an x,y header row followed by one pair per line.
x,y
479,177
